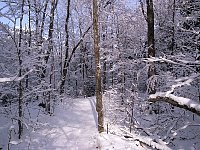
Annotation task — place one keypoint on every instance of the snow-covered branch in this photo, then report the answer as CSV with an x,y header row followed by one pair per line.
x,y
183,81
177,101
176,61
188,64
15,78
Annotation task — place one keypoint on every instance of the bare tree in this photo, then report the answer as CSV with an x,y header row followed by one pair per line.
x,y
51,29
20,90
50,48
64,71
99,105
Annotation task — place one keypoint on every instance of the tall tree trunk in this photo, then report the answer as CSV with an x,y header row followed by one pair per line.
x,y
51,29
20,90
66,63
99,105
105,46
151,45
29,39
83,61
43,21
104,74
41,35
50,49
36,20
173,28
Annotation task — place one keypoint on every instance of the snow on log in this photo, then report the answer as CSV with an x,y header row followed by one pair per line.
x,y
177,101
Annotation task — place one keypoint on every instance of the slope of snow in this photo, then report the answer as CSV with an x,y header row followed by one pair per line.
x,y
121,139
72,127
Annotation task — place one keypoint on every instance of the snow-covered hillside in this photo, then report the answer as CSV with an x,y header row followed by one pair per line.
x,y
73,126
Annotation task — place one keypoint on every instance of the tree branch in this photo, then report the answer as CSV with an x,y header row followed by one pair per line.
x,y
180,102
142,8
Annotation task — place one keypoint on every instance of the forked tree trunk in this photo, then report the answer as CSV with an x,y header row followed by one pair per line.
x,y
99,105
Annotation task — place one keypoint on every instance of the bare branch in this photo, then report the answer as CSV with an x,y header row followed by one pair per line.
x,y
142,8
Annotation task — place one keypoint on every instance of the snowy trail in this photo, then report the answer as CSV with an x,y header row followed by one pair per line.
x,y
71,128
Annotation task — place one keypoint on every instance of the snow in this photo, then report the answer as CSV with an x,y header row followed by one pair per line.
x,y
7,79
15,78
14,142
133,141
183,63
182,82
180,100
71,128
114,142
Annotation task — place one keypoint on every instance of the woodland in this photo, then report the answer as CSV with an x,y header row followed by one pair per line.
x,y
139,60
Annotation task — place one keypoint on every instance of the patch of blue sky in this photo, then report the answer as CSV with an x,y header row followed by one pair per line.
x,y
8,19
131,3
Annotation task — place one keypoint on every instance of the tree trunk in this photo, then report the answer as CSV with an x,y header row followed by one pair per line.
x,y
20,90
173,28
29,39
50,49
41,36
64,72
99,105
51,29
43,21
36,20
150,36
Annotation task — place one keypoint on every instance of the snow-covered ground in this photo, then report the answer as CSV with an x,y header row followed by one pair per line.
x,y
72,127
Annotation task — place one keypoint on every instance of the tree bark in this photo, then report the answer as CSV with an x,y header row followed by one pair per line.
x,y
41,36
64,71
43,21
99,105
36,20
173,28
20,90
151,44
51,29
50,49
29,39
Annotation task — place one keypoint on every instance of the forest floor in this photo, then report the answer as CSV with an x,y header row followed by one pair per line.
x,y
73,126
